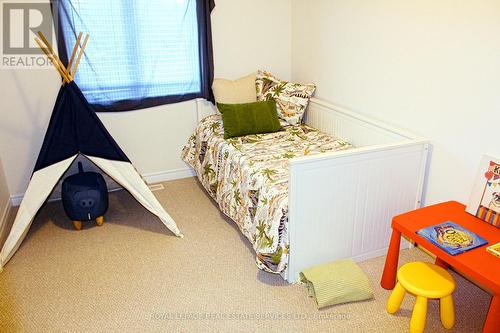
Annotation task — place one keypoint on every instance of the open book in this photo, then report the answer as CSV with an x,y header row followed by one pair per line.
x,y
451,237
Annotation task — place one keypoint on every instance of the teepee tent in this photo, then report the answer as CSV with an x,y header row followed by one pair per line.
x,y
75,130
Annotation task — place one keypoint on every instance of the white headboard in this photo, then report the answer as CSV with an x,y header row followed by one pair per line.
x,y
353,127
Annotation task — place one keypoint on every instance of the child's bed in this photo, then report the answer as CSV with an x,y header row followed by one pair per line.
x,y
311,193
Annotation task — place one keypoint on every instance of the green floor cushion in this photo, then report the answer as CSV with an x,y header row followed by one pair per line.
x,y
338,282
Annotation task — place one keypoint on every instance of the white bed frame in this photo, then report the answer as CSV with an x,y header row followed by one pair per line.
x,y
341,203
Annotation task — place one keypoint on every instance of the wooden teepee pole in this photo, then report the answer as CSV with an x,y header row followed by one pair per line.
x,y
53,61
73,53
82,49
54,55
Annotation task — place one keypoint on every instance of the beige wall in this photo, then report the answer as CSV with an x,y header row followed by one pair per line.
x,y
250,35
429,66
247,35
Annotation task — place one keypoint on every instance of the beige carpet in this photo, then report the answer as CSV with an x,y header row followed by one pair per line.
x,y
133,275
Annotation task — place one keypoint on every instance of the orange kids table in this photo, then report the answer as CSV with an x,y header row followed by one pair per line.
x,y
477,265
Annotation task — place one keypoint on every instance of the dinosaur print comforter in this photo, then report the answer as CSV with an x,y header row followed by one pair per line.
x,y
248,178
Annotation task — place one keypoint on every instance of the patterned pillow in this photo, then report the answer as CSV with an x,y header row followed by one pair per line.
x,y
291,98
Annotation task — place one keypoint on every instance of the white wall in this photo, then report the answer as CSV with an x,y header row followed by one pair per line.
x,y
429,66
250,35
247,35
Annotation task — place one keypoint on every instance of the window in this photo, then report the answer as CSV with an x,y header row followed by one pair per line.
x,y
140,53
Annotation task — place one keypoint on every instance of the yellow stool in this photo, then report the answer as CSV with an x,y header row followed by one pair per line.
x,y
424,280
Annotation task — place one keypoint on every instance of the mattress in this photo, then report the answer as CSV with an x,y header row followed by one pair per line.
x,y
248,177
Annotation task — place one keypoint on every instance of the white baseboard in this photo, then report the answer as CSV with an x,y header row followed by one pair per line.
x,y
163,176
381,252
15,200
150,178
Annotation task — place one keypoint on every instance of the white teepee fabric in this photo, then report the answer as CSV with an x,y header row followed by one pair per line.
x,y
44,180
125,174
41,185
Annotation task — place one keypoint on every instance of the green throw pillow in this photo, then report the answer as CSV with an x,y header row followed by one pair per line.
x,y
249,118
338,282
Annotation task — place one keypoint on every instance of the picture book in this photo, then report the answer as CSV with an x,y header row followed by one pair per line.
x,y
451,237
484,201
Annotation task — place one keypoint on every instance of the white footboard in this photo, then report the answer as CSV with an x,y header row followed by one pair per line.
x,y
341,204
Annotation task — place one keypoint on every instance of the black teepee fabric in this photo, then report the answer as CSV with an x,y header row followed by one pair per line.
x,y
75,128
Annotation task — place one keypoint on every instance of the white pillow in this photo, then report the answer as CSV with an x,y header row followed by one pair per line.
x,y
241,90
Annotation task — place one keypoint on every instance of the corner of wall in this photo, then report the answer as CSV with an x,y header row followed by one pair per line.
x,y
6,210
5,206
